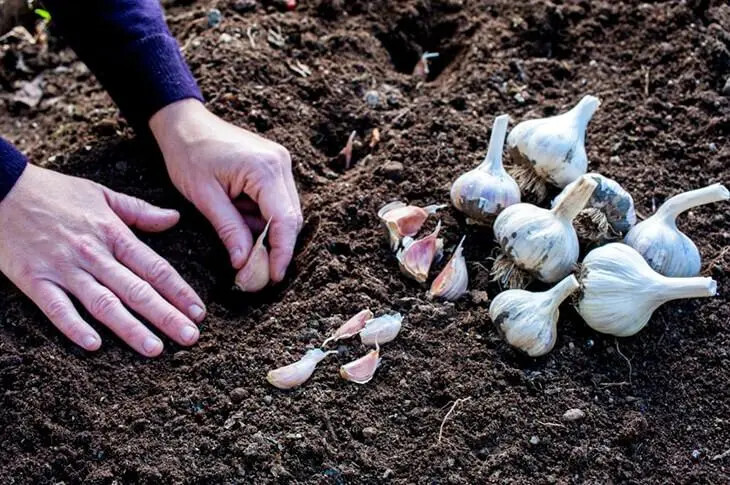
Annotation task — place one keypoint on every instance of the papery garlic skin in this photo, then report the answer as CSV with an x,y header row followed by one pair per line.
x,y
528,320
552,149
667,249
255,274
350,327
361,371
299,372
539,242
415,257
483,192
453,281
381,330
619,291
401,220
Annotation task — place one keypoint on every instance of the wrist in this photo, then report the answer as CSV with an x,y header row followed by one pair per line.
x,y
178,123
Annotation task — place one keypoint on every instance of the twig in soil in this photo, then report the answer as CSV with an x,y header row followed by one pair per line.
x,y
275,37
614,384
628,361
708,265
251,36
551,425
646,82
721,455
300,69
441,429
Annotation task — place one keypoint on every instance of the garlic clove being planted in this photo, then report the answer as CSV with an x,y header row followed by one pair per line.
x,y
453,280
609,213
552,150
382,330
361,371
539,243
620,291
350,327
415,257
483,192
403,220
295,374
528,320
254,275
667,249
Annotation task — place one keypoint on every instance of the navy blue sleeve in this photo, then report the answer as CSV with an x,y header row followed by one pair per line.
x,y
12,164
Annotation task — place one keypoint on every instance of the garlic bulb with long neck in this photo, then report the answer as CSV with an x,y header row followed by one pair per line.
x,y
609,213
667,249
483,192
551,150
529,320
620,291
539,243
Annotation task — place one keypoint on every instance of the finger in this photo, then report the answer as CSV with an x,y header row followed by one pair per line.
x,y
217,207
293,193
139,295
140,214
154,269
106,307
57,306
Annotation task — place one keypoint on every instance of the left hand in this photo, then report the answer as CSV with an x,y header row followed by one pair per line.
x,y
236,178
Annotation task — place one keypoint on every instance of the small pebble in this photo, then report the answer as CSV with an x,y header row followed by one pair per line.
x,y
615,159
712,147
574,414
372,98
225,38
370,432
393,171
214,17
268,400
519,98
696,454
590,343
242,6
534,440
238,394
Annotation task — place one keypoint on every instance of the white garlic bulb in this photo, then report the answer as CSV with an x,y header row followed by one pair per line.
x,y
552,150
415,257
619,291
667,249
453,280
609,213
295,374
483,192
539,243
401,220
381,330
528,320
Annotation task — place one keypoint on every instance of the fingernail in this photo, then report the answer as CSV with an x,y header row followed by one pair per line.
x,y
189,334
90,342
152,345
196,312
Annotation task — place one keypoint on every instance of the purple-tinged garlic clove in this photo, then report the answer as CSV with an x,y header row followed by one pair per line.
x,y
383,329
361,371
415,259
346,152
299,372
403,220
255,274
453,280
350,327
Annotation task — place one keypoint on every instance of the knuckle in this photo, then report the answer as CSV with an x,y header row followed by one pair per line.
x,y
159,272
110,231
184,293
124,249
86,247
103,305
169,321
57,310
139,293
227,230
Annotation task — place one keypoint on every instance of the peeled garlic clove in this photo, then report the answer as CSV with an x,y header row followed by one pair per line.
x,y
609,213
361,371
403,220
528,320
295,374
453,280
415,259
620,291
552,150
351,327
539,243
255,274
482,193
667,249
381,330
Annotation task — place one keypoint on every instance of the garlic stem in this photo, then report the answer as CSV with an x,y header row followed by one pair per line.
x,y
564,289
493,160
687,200
583,111
694,287
575,199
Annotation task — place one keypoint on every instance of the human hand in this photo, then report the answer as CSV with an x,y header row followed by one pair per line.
x,y
62,234
237,179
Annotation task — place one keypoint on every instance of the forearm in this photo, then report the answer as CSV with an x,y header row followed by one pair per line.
x,y
12,164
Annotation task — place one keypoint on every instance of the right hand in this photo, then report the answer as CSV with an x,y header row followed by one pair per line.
x,y
62,234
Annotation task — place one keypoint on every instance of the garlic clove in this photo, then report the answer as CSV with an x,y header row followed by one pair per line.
x,y
421,69
382,330
415,259
528,320
552,150
620,291
350,327
346,152
667,249
453,280
299,372
255,274
361,371
483,192
403,220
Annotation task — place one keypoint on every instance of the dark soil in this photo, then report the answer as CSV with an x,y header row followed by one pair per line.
x,y
657,406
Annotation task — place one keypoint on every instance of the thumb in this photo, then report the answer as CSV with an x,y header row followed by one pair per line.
x,y
137,213
218,208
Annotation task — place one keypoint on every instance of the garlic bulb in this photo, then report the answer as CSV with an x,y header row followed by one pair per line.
x,y
381,330
254,275
350,327
529,320
295,374
453,280
361,371
539,243
552,150
483,192
403,220
667,249
619,291
415,257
